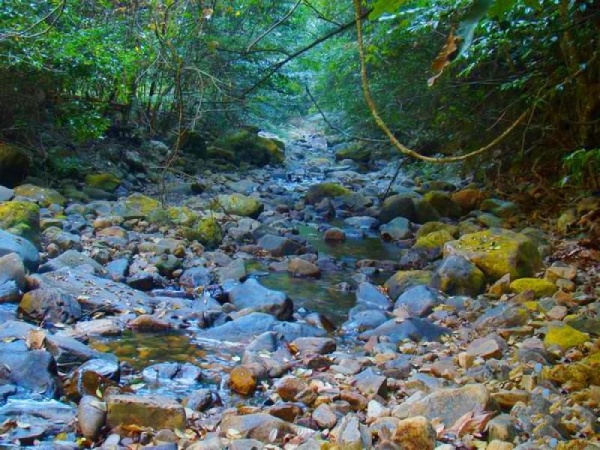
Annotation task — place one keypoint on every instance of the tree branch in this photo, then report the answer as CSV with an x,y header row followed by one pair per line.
x,y
272,27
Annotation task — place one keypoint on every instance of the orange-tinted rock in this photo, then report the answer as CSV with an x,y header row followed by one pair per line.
x,y
242,380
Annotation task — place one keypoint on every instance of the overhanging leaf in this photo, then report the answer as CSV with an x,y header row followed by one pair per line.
x,y
444,58
382,7
500,7
466,29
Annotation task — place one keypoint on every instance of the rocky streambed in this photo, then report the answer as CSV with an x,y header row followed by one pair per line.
x,y
288,307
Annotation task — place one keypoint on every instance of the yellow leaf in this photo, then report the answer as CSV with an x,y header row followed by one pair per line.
x,y
444,58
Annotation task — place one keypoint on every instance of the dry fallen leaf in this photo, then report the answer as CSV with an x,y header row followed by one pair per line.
x,y
444,58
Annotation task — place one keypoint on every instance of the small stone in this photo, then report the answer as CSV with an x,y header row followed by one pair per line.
x,y
376,410
242,380
91,414
491,346
560,270
557,313
500,445
301,268
502,428
465,360
148,323
415,433
357,401
334,235
369,383
324,416
509,398
286,411
289,388
314,345
154,412
351,434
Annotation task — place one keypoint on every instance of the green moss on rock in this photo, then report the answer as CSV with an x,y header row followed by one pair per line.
x,y
443,204
105,181
209,232
318,192
541,288
238,205
136,206
497,252
41,195
22,219
430,227
564,336
356,151
404,279
434,239
247,146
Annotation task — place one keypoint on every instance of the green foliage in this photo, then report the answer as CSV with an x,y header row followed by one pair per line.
x,y
583,168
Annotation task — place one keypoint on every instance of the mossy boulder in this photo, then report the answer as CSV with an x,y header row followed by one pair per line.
x,y
174,215
458,276
500,208
249,147
399,205
14,165
22,219
424,212
541,288
564,336
577,375
209,232
318,192
355,151
239,205
104,181
403,279
497,252
434,239
40,195
443,204
469,199
136,206
430,227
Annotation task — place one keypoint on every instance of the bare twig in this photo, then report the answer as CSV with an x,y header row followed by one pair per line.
x,y
272,27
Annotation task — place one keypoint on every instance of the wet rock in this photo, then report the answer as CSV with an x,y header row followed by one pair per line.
x,y
69,352
71,259
184,373
469,199
91,415
433,240
334,235
500,208
235,270
443,204
503,316
199,400
450,404
399,205
146,323
424,211
361,320
415,433
11,243
350,434
243,380
260,426
412,328
396,229
251,296
458,276
63,240
136,206
33,370
44,197
51,306
317,192
118,269
404,279
90,377
239,205
6,193
314,345
324,416
301,268
154,412
497,252
285,411
95,294
361,222
372,297
294,389
279,245
418,301
12,278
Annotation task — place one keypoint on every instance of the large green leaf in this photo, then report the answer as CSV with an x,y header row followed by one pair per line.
x,y
466,30
382,7
500,7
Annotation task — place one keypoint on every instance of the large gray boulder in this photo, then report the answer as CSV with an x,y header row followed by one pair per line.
x,y
11,243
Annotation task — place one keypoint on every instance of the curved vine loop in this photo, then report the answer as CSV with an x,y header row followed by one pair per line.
x,y
358,14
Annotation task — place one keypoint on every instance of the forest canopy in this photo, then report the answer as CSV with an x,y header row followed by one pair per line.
x,y
447,76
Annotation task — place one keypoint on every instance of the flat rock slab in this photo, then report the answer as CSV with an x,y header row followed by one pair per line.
x,y
154,412
97,294
412,328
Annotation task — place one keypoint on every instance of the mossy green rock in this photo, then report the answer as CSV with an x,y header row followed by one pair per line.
x,y
103,181
404,279
399,205
355,151
239,205
249,147
209,232
577,375
541,288
500,208
458,276
174,215
22,219
318,192
14,165
434,239
497,252
564,336
136,206
443,204
41,195
430,227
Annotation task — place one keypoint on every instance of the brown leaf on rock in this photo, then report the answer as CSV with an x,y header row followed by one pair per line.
x,y
444,58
